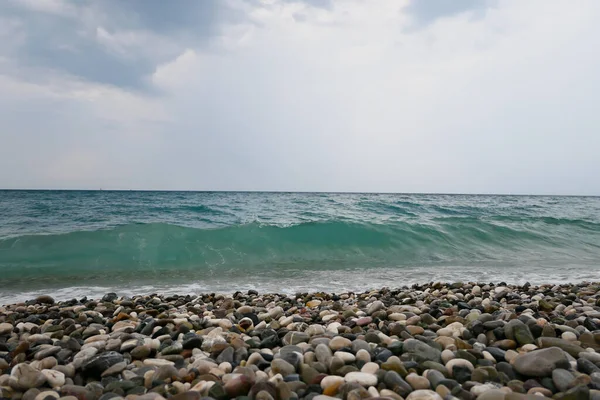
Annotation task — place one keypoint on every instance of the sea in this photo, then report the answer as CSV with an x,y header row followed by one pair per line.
x,y
72,244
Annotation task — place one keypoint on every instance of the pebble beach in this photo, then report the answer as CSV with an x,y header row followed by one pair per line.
x,y
424,342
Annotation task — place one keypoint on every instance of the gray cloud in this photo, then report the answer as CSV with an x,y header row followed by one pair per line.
x,y
427,11
241,95
76,39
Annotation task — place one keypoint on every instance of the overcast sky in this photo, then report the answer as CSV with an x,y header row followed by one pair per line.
x,y
467,96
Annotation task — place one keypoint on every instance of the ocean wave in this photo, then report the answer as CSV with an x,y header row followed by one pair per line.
x,y
152,250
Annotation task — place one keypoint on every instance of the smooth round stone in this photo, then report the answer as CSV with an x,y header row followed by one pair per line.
x,y
293,338
323,353
115,369
335,365
175,348
345,356
562,379
492,394
390,394
363,355
478,390
315,329
540,363
313,303
374,307
275,312
447,355
487,356
101,362
446,342
459,362
157,362
370,368
245,310
54,378
415,330
331,381
279,366
424,394
421,350
339,342
47,394
570,336
542,391
593,357
397,317
45,299
24,377
510,355
418,382
362,378
454,329
254,359
364,321
5,328
140,352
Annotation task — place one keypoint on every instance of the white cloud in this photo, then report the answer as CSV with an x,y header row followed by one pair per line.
x,y
362,104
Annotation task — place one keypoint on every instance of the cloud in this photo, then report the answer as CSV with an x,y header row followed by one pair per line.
x,y
308,95
425,12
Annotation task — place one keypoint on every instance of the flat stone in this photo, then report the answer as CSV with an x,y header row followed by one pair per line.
x,y
157,362
101,362
562,379
458,362
45,299
418,382
424,395
374,307
571,348
78,392
279,366
339,342
54,378
6,328
422,351
362,378
115,369
293,338
492,394
540,362
140,352
24,377
394,381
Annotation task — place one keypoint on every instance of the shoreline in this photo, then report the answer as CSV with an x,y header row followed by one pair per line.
x,y
425,342
292,281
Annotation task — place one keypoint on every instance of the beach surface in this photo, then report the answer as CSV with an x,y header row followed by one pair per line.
x,y
424,342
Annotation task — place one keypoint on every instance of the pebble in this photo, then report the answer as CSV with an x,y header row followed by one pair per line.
x,y
424,395
458,362
55,379
362,378
339,342
418,382
464,340
541,362
5,328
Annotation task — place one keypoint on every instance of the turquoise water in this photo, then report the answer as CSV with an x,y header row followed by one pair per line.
x,y
85,242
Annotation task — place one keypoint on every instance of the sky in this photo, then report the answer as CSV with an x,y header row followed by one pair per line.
x,y
442,96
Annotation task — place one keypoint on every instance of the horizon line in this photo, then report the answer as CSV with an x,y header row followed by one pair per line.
x,y
296,192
